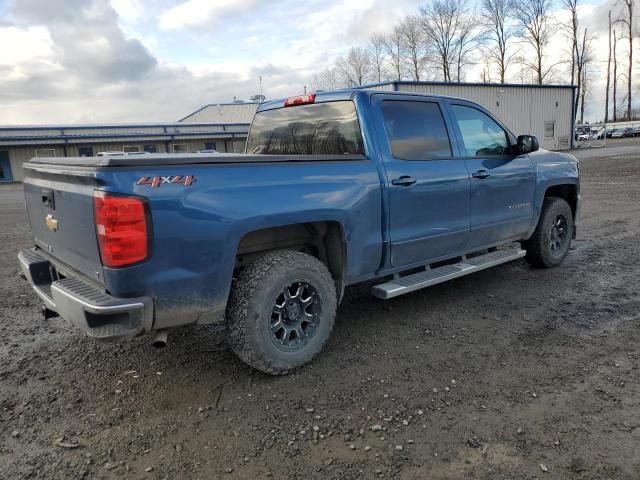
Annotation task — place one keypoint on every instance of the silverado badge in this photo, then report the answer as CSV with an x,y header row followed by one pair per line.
x,y
52,223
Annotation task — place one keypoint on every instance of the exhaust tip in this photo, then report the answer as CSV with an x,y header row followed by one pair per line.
x,y
47,313
160,339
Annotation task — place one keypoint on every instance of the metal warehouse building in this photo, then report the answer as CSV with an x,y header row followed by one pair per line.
x,y
542,110
19,144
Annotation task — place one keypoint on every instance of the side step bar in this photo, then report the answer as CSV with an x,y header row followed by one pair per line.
x,y
410,283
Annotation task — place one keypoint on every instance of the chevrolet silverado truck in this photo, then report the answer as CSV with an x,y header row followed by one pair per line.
x,y
336,188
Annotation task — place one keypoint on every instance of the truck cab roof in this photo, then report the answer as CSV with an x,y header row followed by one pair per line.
x,y
347,94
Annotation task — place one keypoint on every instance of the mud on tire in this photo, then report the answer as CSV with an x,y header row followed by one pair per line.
x,y
281,311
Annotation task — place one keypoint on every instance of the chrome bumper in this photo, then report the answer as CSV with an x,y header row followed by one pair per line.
x,y
84,305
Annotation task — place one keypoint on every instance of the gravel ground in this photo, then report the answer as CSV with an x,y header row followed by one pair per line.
x,y
511,373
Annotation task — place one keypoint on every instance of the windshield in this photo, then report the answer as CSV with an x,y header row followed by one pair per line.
x,y
318,129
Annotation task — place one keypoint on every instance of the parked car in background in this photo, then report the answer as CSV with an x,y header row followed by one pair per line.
x,y
622,133
336,188
628,132
636,131
109,153
116,153
581,132
617,133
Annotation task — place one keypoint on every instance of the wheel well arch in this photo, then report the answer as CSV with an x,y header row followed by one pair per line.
x,y
324,240
566,191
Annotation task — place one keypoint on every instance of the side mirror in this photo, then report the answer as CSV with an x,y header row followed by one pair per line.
x,y
527,144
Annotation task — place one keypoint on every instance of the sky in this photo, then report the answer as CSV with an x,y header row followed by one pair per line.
x,y
97,61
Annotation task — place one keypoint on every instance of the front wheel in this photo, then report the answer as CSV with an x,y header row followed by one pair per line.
x,y
549,244
281,311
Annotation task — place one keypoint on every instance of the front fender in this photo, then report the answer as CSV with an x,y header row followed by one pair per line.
x,y
552,169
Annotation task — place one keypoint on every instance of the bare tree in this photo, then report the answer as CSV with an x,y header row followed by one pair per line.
x,y
495,17
606,102
580,53
355,68
535,29
583,60
572,28
414,46
469,37
327,79
627,21
439,22
377,49
393,47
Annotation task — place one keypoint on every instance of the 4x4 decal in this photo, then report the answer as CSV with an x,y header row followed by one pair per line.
x,y
186,180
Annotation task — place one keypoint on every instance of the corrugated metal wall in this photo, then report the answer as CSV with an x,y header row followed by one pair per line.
x,y
223,112
20,155
387,87
524,109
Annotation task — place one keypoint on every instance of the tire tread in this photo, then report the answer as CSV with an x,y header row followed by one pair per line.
x,y
250,281
537,254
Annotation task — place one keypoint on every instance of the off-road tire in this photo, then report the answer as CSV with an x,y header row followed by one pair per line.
x,y
539,251
249,310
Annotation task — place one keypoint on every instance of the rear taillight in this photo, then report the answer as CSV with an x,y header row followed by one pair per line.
x,y
121,226
300,100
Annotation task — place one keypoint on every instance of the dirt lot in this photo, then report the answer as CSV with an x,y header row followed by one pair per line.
x,y
513,373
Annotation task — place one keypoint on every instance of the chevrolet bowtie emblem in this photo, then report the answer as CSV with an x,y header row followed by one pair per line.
x,y
52,223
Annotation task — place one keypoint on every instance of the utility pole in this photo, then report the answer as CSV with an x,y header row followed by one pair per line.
x,y
606,102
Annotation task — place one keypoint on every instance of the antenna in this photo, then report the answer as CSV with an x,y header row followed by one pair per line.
x,y
260,79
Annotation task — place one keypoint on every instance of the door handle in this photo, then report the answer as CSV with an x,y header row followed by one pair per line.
x,y
481,174
404,181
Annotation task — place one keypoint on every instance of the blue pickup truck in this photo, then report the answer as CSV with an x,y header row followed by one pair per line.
x,y
336,188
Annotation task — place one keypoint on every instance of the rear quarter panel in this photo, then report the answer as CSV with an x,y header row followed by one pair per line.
x,y
197,229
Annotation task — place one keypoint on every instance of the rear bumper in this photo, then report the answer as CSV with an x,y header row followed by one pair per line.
x,y
84,305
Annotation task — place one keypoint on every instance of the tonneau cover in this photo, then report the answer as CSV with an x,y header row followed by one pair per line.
x,y
183,159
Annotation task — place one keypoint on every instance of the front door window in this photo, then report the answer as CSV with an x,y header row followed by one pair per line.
x,y
481,135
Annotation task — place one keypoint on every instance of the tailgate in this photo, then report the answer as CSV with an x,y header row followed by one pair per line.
x,y
60,209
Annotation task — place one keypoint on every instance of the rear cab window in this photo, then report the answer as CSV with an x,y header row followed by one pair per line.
x,y
329,128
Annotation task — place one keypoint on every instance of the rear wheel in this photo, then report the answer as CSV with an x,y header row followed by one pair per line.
x,y
281,311
549,244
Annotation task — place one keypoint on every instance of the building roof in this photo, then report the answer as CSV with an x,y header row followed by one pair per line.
x,y
59,134
241,112
395,83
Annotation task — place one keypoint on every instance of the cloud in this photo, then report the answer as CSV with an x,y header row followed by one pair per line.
x,y
127,9
69,61
201,13
86,38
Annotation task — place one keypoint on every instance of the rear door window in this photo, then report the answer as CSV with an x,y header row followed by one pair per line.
x,y
416,130
329,128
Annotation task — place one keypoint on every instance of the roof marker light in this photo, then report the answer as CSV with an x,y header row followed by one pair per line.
x,y
300,100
